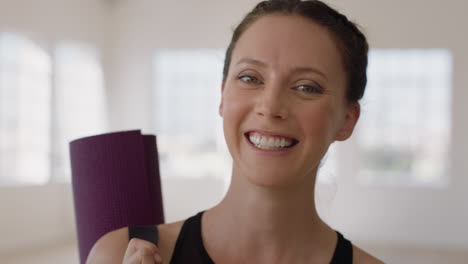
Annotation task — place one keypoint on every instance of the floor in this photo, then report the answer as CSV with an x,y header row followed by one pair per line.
x,y
67,253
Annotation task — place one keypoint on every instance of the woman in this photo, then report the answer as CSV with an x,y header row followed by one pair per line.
x,y
293,75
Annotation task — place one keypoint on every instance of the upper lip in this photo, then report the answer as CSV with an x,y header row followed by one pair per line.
x,y
271,134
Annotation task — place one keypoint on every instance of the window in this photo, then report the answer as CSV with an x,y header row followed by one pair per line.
x,y
404,132
45,101
80,105
187,124
25,96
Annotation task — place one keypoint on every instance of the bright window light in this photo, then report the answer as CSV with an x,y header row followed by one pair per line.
x,y
404,131
187,93
25,100
80,105
45,103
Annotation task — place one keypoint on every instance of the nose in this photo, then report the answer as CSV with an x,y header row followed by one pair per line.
x,y
271,104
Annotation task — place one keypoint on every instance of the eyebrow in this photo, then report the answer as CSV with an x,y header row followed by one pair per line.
x,y
297,69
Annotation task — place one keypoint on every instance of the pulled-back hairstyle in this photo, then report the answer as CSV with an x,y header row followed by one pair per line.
x,y
351,41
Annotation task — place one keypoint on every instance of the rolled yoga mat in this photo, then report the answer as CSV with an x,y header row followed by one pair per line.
x,y
116,183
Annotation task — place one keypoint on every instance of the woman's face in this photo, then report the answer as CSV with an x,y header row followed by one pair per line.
x,y
283,101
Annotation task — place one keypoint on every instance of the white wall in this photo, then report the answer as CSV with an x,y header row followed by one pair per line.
x,y
38,215
404,216
50,21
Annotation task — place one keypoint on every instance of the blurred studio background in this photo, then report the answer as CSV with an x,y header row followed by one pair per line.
x,y
74,68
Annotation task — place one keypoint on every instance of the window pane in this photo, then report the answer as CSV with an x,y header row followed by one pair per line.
x,y
80,108
404,131
25,100
187,124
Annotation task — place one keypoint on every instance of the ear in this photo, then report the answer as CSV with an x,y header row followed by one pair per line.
x,y
221,103
352,116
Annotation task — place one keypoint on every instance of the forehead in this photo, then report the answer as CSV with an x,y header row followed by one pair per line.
x,y
283,41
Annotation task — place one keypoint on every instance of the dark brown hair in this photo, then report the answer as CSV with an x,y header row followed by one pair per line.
x,y
351,41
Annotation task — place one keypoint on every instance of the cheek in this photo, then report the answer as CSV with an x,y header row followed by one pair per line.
x,y
235,109
234,112
320,121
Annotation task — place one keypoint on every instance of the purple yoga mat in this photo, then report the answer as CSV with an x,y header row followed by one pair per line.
x,y
116,183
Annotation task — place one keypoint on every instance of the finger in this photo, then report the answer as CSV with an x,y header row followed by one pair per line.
x,y
131,249
148,259
141,251
158,258
140,243
145,256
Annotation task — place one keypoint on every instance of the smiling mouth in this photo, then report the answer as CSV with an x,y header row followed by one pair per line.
x,y
265,142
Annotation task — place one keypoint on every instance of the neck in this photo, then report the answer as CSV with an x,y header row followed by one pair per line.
x,y
260,220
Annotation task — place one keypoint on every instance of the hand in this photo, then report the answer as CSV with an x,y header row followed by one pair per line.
x,y
142,252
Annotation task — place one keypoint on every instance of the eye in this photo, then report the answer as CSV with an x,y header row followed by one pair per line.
x,y
309,89
249,79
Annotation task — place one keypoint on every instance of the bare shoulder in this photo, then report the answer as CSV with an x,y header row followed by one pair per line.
x,y
168,234
362,257
111,247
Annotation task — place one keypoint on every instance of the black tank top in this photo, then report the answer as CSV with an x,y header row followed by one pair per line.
x,y
189,245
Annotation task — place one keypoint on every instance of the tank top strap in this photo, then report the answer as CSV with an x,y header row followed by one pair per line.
x,y
189,245
343,252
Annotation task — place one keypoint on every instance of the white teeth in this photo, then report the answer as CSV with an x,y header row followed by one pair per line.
x,y
270,143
